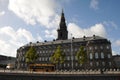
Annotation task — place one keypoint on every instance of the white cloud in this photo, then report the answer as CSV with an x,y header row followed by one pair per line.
x,y
11,39
51,33
78,32
94,4
2,13
110,24
97,29
114,52
35,11
117,42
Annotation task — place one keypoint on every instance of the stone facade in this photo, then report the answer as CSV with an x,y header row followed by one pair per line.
x,y
98,49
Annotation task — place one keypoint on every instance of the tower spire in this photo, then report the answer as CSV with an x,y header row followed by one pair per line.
x,y
62,31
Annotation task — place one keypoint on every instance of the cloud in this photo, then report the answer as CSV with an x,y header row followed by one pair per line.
x,y
35,11
94,4
78,32
110,24
11,39
117,42
2,13
51,33
114,52
97,29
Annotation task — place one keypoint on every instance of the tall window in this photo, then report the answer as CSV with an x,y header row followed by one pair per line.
x,y
109,56
103,63
102,55
109,63
68,64
95,47
107,47
96,55
90,47
76,64
91,64
64,64
101,47
68,58
40,59
97,63
91,56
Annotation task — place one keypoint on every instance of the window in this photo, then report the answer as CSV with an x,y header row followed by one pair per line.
x,y
109,56
76,64
68,58
64,65
43,59
68,64
109,63
40,51
91,64
40,59
95,47
107,47
96,55
75,57
43,51
90,48
84,49
103,63
97,63
91,56
101,47
75,49
102,55
23,59
64,50
68,50
46,58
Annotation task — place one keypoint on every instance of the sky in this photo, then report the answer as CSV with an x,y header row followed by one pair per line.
x,y
24,21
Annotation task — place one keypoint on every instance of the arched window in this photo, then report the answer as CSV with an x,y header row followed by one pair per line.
x,y
91,56
102,55
96,55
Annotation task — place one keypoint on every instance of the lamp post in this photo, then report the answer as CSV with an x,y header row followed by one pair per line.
x,y
71,53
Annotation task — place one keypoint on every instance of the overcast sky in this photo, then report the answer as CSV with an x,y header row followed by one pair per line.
x,y
24,21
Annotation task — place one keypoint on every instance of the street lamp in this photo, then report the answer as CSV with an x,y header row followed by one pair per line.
x,y
71,53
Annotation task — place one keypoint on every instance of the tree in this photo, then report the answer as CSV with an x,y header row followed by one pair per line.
x,y
31,55
58,56
81,55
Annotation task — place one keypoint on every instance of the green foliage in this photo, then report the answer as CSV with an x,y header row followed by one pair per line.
x,y
31,55
81,55
57,57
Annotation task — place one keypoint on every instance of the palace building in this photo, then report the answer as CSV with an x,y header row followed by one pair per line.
x,y
98,49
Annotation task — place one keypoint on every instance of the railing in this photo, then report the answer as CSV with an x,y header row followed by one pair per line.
x,y
110,71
